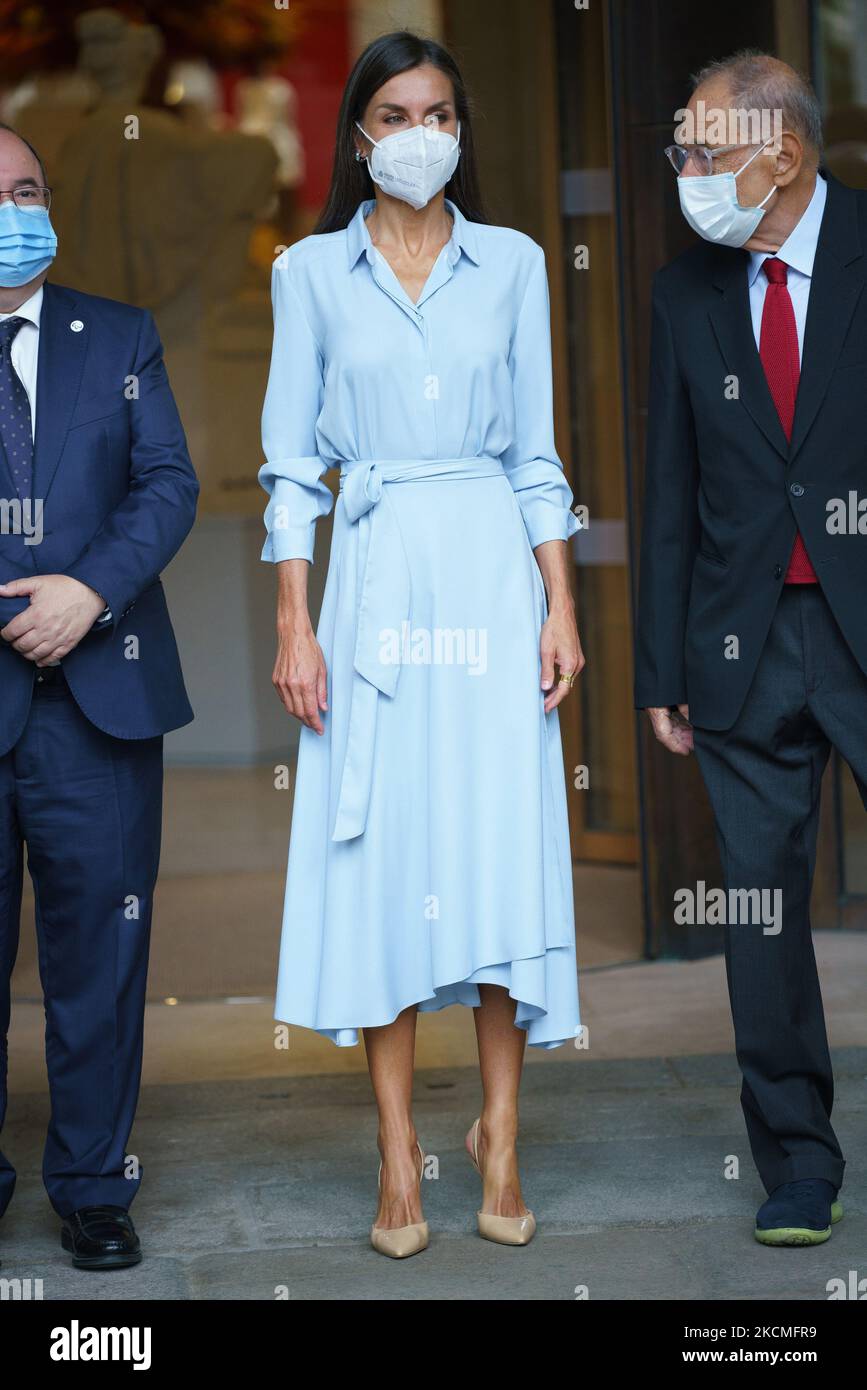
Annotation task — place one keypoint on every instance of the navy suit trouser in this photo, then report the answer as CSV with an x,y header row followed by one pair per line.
x,y
88,808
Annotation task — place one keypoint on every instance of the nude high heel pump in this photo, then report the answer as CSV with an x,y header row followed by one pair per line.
x,y
505,1230
402,1241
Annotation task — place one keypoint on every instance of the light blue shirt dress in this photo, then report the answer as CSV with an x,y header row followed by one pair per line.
x,y
429,849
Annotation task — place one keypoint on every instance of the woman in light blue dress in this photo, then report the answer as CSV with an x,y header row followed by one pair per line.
x,y
429,859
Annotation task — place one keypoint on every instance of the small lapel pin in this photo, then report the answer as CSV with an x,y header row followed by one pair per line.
x,y
76,325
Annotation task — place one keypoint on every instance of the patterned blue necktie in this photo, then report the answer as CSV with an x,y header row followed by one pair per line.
x,y
16,430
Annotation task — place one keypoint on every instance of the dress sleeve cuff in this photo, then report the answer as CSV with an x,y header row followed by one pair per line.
x,y
289,543
546,521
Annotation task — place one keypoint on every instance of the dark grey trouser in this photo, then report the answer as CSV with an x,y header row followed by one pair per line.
x,y
763,778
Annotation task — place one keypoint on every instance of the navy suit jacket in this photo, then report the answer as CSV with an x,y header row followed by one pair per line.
x,y
119,496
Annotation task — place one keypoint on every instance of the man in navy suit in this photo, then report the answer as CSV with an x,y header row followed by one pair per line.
x,y
97,493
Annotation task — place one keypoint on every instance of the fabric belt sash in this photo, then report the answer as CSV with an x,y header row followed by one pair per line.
x,y
384,602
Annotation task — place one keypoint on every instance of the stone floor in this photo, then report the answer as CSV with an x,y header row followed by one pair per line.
x,y
264,1187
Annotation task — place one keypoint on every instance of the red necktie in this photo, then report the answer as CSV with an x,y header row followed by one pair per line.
x,y
778,349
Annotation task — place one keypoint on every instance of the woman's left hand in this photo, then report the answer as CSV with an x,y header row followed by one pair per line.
x,y
560,647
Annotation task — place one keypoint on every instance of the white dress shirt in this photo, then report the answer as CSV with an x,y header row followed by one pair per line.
x,y
25,359
799,252
25,348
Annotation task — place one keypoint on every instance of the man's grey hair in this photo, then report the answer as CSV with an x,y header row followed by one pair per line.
x,y
760,82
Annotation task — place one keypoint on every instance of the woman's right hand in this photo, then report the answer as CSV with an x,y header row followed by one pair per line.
x,y
300,677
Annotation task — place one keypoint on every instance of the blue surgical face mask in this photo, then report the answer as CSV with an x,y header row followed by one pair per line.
x,y
28,243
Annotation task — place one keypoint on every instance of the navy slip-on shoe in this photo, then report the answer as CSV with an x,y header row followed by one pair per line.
x,y
799,1213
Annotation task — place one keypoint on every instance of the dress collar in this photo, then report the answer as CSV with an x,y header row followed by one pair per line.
x,y
463,238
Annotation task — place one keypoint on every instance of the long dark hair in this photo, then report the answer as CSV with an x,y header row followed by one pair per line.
x,y
383,59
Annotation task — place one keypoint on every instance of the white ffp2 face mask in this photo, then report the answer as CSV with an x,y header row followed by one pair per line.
x,y
414,164
709,202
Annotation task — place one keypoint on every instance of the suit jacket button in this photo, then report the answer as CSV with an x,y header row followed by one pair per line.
x,y
796,490
778,570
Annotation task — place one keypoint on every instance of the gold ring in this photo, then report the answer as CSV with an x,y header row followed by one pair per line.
x,y
567,680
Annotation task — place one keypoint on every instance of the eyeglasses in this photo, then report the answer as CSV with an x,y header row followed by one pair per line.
x,y
699,156
28,196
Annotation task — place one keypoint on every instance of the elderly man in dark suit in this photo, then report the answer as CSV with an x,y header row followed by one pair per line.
x,y
752,625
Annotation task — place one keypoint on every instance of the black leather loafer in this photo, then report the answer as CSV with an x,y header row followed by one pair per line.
x,y
101,1238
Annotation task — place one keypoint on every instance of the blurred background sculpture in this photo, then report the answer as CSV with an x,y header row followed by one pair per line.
x,y
164,200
